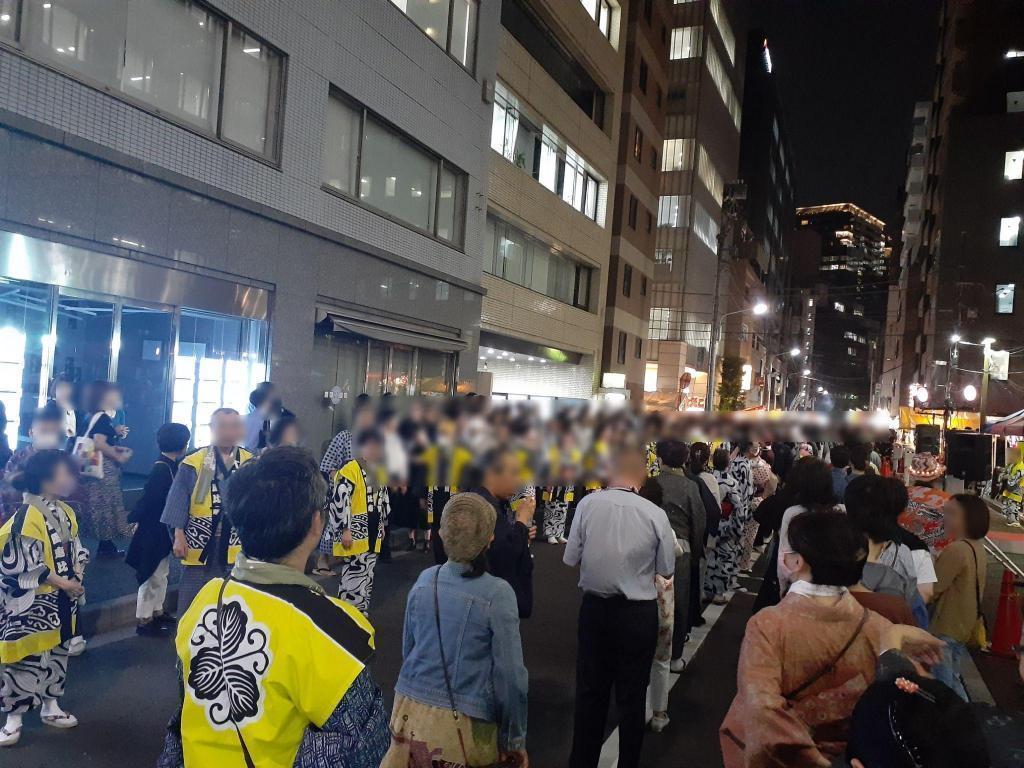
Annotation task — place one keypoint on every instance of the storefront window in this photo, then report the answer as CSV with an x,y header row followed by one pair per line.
x,y
142,373
377,368
85,328
24,334
218,361
433,377
400,377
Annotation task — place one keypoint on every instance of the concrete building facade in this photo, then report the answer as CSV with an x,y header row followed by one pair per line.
x,y
200,195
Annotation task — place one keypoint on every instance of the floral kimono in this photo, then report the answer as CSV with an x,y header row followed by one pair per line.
x,y
36,619
736,484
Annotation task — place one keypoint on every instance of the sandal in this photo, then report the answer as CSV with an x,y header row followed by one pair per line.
x,y
9,738
62,721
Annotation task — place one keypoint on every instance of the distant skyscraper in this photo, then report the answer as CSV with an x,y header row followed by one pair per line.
x,y
845,272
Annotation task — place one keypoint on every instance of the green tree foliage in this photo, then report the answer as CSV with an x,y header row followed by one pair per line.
x,y
730,394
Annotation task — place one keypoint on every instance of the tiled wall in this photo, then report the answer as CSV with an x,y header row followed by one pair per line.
x,y
366,48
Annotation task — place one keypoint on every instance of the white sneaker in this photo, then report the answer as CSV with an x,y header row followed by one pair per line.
x,y
552,539
76,646
678,665
659,723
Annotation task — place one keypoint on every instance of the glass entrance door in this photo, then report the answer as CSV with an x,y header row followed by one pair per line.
x,y
144,346
85,329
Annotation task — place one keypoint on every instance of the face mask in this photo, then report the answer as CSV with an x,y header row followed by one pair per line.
x,y
45,441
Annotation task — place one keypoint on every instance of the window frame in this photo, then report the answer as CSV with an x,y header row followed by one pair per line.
x,y
620,354
639,348
633,213
641,80
1012,298
272,158
470,70
627,280
638,143
441,161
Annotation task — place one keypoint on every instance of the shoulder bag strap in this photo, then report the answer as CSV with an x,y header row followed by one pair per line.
x,y
977,579
444,666
832,665
220,635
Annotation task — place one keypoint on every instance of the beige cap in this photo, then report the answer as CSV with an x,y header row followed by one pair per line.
x,y
467,525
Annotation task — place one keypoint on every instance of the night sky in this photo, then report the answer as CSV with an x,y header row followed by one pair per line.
x,y
849,72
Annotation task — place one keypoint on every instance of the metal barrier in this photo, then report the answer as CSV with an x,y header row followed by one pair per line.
x,y
1003,559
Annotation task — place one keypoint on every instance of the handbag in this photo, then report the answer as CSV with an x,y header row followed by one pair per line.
x,y
90,460
444,668
979,632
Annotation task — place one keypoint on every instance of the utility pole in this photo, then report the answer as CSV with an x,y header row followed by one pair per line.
x,y
735,196
983,397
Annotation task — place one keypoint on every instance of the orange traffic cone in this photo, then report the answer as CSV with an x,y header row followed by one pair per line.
x,y
1008,618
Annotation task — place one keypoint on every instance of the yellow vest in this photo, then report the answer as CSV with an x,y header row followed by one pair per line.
x,y
291,655
1015,473
200,511
19,641
359,521
459,460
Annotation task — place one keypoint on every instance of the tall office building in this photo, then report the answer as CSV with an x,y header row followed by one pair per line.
x,y
707,48
552,167
906,291
968,251
201,195
845,271
761,269
641,138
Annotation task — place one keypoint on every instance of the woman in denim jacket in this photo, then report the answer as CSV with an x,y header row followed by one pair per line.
x,y
460,699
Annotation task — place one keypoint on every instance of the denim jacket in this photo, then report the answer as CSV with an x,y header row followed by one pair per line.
x,y
480,630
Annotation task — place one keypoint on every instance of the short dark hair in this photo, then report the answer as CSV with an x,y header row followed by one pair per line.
x,y
369,436
258,397
223,411
976,516
271,501
49,412
840,455
720,459
870,503
494,459
831,545
810,482
859,455
673,453
173,437
40,469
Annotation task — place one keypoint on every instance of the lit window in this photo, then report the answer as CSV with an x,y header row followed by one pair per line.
x,y
686,43
858,311
1014,165
1004,298
725,29
810,302
1009,230
720,77
748,378
651,378
432,17
838,307
1014,54
677,155
1015,101
709,175
673,210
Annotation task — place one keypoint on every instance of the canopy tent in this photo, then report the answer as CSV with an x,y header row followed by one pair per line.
x,y
1011,425
959,420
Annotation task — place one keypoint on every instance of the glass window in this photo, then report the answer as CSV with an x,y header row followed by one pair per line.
x,y
677,155
673,210
463,44
167,54
511,256
621,354
1014,165
685,43
396,176
8,19
449,205
341,145
429,15
720,77
80,35
433,376
85,329
1015,101
709,175
251,85
1004,298
143,352
724,28
705,227
218,361
172,59
1009,230
584,277
24,341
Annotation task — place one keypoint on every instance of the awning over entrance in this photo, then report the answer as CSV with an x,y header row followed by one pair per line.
x,y
392,331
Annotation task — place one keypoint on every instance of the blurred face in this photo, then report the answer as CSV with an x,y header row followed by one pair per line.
x,y
61,485
371,452
290,435
631,469
228,430
503,480
953,517
46,435
112,400
363,419
62,393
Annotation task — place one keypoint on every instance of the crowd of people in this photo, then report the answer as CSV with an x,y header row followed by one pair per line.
x,y
856,619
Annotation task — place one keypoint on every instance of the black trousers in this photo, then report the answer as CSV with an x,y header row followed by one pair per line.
x,y
617,639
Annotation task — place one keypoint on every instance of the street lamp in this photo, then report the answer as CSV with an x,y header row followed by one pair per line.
x,y
795,352
970,392
805,372
760,308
